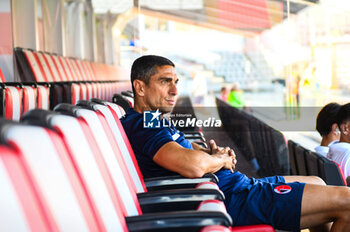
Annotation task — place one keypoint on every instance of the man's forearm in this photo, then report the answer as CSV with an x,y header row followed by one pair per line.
x,y
192,163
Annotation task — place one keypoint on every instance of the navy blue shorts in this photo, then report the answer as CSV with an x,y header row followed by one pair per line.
x,y
269,201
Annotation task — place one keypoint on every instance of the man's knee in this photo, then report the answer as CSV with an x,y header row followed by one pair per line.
x,y
313,180
317,180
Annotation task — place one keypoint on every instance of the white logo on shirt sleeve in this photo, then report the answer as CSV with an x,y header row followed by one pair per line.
x,y
175,136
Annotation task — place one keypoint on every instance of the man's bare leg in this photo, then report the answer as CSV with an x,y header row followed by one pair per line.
x,y
311,180
324,204
305,179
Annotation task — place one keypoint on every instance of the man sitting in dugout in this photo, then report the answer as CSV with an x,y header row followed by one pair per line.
x,y
163,151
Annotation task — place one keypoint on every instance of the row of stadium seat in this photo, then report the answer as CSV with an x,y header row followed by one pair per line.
x,y
256,140
35,66
48,79
246,68
17,98
308,163
269,148
74,170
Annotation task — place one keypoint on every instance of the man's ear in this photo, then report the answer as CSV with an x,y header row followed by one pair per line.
x,y
344,128
335,129
139,87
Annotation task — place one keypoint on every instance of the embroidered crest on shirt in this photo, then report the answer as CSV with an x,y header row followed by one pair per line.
x,y
282,189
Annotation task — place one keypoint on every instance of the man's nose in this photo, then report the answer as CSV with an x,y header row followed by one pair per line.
x,y
173,89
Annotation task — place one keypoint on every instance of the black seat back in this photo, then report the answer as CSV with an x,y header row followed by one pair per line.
x,y
300,160
292,159
120,100
330,172
255,139
313,164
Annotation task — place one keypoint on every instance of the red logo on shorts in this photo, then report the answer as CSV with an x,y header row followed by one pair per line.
x,y
282,189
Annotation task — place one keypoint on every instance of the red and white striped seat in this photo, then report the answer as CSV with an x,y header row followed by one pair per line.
x,y
100,169
13,102
29,98
52,67
109,92
127,152
44,66
58,67
95,90
89,91
43,97
82,70
106,142
92,170
113,158
60,191
62,68
83,91
34,64
20,206
117,109
130,100
104,91
67,69
89,71
2,77
75,93
87,158
73,68
215,228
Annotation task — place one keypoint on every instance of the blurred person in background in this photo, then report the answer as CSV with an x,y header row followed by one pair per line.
x,y
326,125
339,151
224,93
236,97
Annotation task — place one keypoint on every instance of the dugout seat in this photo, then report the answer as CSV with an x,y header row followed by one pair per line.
x,y
312,163
129,156
117,198
112,160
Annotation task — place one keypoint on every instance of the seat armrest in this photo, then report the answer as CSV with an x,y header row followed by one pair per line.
x,y
253,228
177,221
193,133
176,200
195,139
192,136
176,182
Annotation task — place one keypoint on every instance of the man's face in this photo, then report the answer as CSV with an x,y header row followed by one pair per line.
x,y
161,91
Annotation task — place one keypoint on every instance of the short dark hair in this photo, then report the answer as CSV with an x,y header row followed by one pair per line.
x,y
326,118
343,114
146,66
